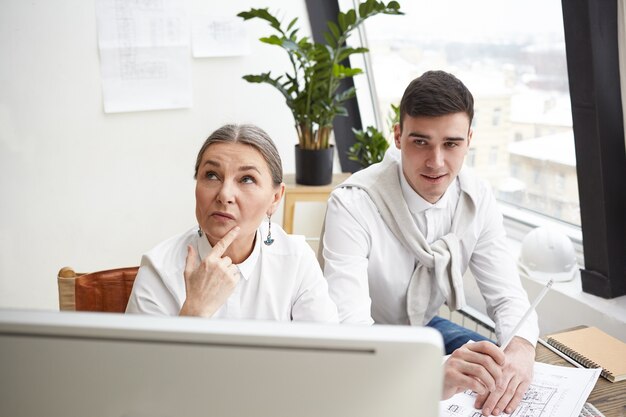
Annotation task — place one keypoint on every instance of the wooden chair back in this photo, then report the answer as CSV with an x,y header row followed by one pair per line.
x,y
104,291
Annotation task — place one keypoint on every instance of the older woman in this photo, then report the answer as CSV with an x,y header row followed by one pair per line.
x,y
234,265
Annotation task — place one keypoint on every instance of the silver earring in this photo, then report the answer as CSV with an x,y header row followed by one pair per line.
x,y
268,241
200,233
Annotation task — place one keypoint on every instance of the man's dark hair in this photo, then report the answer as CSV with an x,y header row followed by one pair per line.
x,y
436,93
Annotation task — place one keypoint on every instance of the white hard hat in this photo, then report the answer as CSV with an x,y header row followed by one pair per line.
x,y
547,254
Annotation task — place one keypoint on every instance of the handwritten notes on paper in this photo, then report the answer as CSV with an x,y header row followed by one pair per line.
x,y
218,37
144,54
556,391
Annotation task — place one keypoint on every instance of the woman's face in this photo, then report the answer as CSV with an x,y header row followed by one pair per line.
x,y
234,188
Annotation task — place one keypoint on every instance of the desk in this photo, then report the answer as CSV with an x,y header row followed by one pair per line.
x,y
608,397
296,192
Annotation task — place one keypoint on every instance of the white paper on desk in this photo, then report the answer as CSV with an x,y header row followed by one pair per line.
x,y
218,36
556,391
144,54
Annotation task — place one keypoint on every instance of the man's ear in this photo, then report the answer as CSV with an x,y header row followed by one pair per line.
x,y
469,137
397,132
278,195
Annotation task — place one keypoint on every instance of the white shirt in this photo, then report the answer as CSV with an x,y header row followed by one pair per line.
x,y
282,281
368,269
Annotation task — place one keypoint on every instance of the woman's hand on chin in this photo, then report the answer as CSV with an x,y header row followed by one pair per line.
x,y
209,284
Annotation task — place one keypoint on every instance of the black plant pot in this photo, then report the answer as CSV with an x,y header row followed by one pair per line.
x,y
314,167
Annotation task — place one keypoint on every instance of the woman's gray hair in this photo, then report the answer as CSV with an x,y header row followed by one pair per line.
x,y
246,134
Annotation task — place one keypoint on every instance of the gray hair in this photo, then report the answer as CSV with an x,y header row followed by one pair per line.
x,y
251,135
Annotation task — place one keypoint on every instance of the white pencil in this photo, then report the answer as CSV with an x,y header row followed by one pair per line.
x,y
561,354
525,316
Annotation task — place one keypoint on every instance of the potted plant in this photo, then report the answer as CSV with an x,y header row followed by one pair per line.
x,y
369,148
311,86
371,144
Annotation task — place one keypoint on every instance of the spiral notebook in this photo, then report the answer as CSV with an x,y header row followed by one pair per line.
x,y
593,348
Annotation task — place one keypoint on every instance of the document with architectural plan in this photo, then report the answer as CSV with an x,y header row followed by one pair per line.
x,y
556,391
144,55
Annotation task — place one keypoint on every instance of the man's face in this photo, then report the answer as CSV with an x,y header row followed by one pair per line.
x,y
433,150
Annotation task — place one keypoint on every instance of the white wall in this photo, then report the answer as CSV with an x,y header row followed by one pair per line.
x,y
92,190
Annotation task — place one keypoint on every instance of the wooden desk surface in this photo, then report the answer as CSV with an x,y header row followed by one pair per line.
x,y
608,397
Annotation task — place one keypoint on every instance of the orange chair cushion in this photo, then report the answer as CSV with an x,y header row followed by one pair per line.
x,y
105,290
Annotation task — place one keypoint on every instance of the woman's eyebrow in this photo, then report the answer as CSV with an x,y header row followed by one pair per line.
x,y
212,162
241,168
248,168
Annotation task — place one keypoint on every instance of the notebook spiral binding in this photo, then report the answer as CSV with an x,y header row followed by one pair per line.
x,y
581,359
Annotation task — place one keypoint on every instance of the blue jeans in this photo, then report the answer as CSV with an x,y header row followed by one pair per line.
x,y
454,336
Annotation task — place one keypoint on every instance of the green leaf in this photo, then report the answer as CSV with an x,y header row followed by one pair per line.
x,y
261,14
350,17
257,78
341,19
290,25
334,29
362,9
394,116
266,78
394,5
345,95
329,39
345,52
272,40
340,71
341,111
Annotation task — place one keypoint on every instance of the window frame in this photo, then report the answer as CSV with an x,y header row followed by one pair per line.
x,y
591,44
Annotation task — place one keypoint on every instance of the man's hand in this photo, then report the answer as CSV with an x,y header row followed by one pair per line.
x,y
209,284
476,366
517,375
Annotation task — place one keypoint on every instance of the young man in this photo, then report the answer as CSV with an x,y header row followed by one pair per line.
x,y
400,234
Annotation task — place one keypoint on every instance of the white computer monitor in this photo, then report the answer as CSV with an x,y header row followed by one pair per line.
x,y
102,364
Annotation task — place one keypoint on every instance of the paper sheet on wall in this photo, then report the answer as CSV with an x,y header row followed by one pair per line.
x,y
215,36
144,54
556,391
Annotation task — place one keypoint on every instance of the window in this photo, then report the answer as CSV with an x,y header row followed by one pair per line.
x,y
560,182
471,157
495,120
595,53
493,155
517,73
